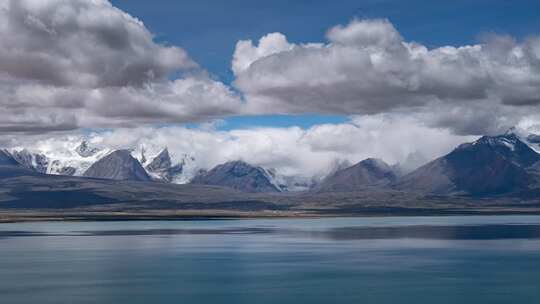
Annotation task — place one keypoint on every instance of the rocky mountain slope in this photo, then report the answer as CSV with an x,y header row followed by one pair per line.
x,y
501,168
238,175
28,195
488,166
23,189
72,158
6,159
34,161
75,157
162,168
495,165
369,172
118,165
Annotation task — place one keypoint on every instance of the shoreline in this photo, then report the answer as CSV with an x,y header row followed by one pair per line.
x,y
19,216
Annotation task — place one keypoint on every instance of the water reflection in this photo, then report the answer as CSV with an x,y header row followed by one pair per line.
x,y
436,232
360,260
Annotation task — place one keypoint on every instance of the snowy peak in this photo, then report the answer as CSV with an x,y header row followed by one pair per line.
x,y
162,167
508,141
70,157
508,146
6,159
491,165
85,150
161,162
143,155
34,161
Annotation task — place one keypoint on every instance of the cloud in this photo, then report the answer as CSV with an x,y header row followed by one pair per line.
x,y
76,64
245,53
67,64
293,151
367,67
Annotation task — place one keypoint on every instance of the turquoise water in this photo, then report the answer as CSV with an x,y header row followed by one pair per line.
x,y
345,260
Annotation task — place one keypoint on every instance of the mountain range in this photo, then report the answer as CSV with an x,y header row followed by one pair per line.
x,y
492,165
488,166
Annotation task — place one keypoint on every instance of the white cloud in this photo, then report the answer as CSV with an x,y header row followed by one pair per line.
x,y
246,53
292,151
71,64
68,64
366,67
82,43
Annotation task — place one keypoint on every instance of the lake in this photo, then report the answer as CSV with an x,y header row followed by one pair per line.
x,y
469,259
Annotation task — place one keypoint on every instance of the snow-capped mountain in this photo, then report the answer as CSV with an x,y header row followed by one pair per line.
x,y
70,158
490,165
161,167
75,156
85,150
6,159
35,161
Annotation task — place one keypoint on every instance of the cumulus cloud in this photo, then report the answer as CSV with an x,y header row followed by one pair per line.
x,y
304,153
72,64
66,64
367,67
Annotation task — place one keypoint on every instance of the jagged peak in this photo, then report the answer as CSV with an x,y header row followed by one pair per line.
x,y
164,153
161,161
143,156
6,158
509,140
84,149
509,146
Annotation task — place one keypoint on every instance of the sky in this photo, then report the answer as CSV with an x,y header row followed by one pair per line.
x,y
299,86
209,29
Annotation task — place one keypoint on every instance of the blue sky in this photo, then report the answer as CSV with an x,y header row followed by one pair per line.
x,y
209,29
394,77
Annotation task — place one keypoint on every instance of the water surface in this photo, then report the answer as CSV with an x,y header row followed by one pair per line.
x,y
474,259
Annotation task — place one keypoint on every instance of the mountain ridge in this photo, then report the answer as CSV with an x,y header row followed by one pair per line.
x,y
491,165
